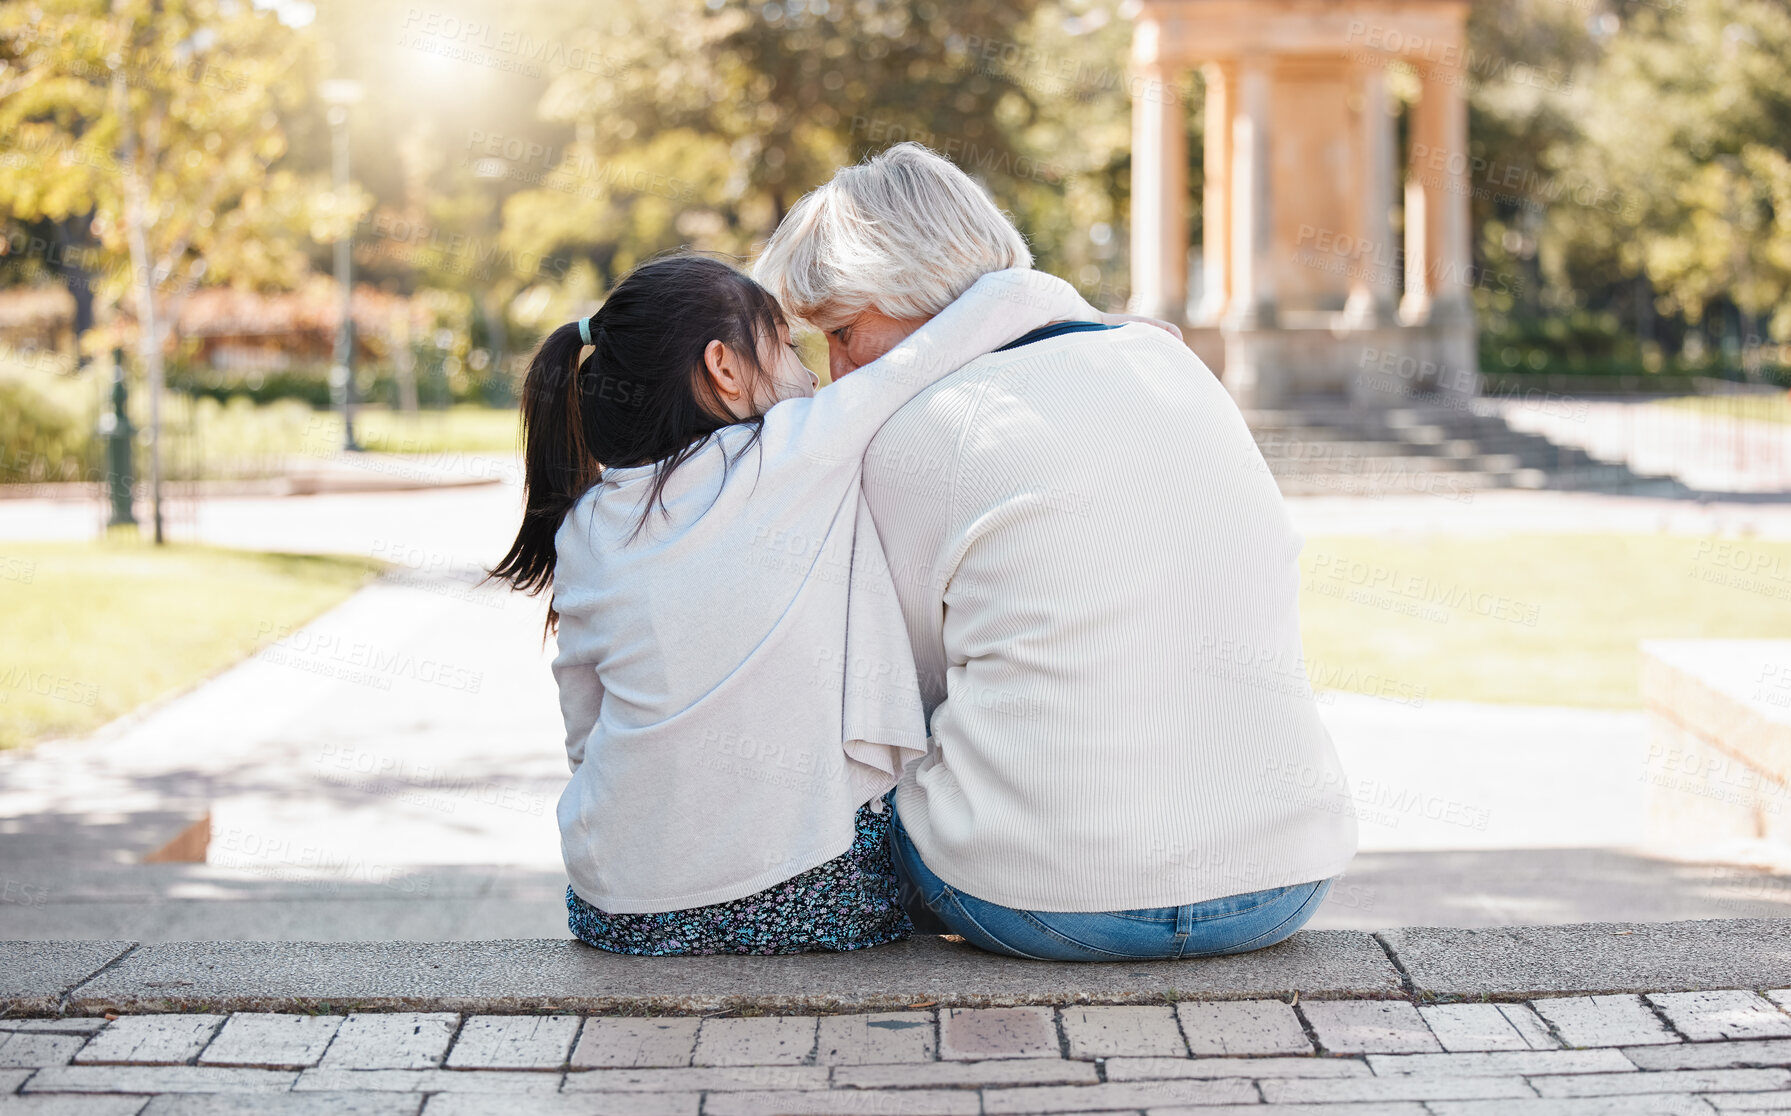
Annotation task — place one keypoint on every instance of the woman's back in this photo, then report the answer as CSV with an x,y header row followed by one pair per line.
x,y
1111,600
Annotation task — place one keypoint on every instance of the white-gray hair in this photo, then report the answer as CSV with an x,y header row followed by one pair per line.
x,y
904,233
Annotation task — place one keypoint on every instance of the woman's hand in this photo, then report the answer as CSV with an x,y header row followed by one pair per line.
x,y
1170,328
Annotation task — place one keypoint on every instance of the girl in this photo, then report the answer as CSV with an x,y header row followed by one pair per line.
x,y
733,669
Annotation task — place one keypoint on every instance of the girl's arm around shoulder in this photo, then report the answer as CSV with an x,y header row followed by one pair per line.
x,y
838,423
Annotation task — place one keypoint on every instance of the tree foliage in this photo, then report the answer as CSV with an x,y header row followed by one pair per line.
x,y
513,157
1655,178
1709,160
173,107
739,108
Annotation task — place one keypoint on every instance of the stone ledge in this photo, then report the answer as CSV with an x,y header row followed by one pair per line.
x,y
1732,693
1522,962
524,976
1508,963
35,976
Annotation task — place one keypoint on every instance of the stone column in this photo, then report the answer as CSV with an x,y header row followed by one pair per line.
x,y
1439,257
1215,216
1373,278
1159,197
1252,304
1414,305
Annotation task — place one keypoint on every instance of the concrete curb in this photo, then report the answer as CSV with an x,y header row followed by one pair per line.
x,y
36,976
1523,962
1426,964
521,976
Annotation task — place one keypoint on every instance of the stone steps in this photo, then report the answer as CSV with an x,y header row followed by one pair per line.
x,y
1392,462
1448,485
1323,446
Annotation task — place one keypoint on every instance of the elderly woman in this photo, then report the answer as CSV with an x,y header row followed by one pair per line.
x,y
1099,582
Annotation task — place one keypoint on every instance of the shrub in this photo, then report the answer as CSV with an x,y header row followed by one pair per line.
x,y
41,440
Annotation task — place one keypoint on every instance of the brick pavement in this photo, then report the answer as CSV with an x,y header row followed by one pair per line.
x,y
1659,1054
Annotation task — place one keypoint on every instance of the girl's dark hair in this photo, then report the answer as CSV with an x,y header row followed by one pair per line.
x,y
641,397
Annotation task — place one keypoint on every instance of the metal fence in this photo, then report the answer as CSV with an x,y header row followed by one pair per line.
x,y
1736,440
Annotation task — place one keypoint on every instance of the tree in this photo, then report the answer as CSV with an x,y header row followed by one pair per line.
x,y
1709,162
1527,58
151,130
700,122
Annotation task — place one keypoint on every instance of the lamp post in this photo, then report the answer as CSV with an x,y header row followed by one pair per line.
x,y
149,335
115,425
497,389
340,94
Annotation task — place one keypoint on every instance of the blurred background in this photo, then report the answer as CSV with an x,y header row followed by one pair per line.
x,y
270,274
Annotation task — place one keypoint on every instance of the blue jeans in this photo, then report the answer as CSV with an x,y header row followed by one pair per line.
x,y
1234,924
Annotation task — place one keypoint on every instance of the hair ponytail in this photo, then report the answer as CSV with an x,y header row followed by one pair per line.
x,y
558,466
642,396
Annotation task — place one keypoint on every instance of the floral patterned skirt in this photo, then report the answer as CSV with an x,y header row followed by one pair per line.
x,y
850,902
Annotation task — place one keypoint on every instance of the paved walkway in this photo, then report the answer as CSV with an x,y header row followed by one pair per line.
x,y
467,521
389,771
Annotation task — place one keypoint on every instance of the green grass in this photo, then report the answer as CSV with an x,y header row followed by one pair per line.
x,y
462,429
1533,619
93,630
240,438
213,440
1760,408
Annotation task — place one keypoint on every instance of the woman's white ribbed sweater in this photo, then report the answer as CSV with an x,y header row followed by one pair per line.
x,y
1100,582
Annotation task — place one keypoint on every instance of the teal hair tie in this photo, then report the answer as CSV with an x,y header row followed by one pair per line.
x,y
584,330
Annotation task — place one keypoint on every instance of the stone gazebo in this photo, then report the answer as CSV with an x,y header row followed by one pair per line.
x,y
1302,289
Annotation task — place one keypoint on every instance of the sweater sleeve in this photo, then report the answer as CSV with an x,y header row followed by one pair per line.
x,y
581,691
839,421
